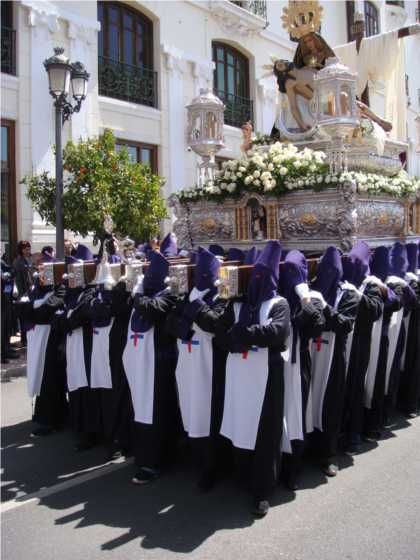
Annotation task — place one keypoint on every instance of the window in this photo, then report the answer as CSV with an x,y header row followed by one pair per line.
x,y
140,153
371,19
8,39
231,83
126,54
8,187
350,10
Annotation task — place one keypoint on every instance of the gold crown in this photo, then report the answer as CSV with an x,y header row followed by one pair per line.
x,y
302,17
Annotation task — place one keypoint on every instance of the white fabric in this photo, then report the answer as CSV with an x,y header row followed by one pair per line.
x,y
75,358
246,382
396,280
404,352
100,369
381,59
321,357
410,276
196,294
302,290
37,340
194,375
321,365
393,334
139,366
370,377
292,412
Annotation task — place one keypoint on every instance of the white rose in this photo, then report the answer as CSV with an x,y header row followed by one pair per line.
x,y
242,169
239,174
257,182
231,187
283,171
227,175
312,168
300,183
248,180
256,174
270,167
297,164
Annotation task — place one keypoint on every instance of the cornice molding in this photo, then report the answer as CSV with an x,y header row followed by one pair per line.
x,y
234,19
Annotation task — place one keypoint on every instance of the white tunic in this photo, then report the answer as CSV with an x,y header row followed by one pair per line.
x,y
292,414
370,377
139,366
75,358
322,353
100,369
246,382
194,377
393,334
37,340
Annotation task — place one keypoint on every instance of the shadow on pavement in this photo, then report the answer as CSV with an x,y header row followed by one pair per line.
x,y
30,464
169,513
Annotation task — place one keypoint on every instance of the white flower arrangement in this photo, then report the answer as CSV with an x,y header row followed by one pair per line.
x,y
283,168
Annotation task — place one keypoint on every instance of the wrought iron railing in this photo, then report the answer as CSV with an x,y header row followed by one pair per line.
x,y
8,51
399,3
124,81
257,7
238,110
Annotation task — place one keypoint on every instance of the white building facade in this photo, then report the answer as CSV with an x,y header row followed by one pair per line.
x,y
147,60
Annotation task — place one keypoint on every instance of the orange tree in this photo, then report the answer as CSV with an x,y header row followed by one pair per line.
x,y
100,181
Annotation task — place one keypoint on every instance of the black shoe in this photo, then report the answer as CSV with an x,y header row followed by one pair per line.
x,y
42,432
261,508
330,470
145,475
291,483
411,415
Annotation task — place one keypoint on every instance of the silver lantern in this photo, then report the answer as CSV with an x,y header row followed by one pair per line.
x,y
205,131
336,109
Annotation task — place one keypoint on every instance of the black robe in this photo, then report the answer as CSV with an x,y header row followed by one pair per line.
x,y
370,309
260,466
209,451
155,445
341,322
51,406
409,304
116,413
308,322
85,409
409,390
374,416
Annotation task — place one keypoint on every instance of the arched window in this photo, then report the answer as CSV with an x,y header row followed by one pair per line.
x,y
371,19
231,83
126,54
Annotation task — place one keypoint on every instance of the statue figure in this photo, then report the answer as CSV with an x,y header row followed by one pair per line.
x,y
247,136
258,220
295,79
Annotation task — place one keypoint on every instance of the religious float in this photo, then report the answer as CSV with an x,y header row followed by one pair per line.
x,y
328,174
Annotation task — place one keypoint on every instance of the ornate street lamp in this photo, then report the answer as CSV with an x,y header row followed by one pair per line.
x,y
63,76
336,109
205,131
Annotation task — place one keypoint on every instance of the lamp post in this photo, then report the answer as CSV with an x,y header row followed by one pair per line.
x,y
63,75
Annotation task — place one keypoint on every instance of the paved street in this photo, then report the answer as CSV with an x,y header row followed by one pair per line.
x,y
60,504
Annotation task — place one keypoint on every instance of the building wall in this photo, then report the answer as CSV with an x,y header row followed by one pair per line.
x,y
183,35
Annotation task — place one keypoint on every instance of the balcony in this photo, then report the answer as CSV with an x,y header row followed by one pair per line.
x,y
238,110
256,7
127,82
8,51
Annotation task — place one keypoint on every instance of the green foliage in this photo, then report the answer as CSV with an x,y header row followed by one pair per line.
x,y
100,181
